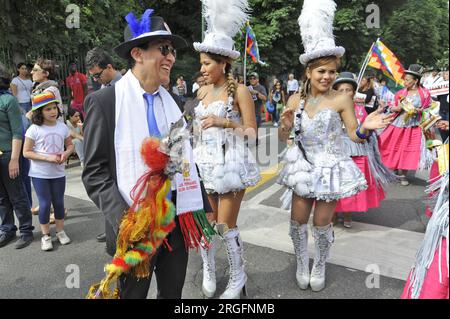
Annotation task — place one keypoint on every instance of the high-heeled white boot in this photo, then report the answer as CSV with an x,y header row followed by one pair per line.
x,y
299,235
209,267
238,278
323,238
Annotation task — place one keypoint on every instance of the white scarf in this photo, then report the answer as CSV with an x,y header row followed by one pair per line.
x,y
132,128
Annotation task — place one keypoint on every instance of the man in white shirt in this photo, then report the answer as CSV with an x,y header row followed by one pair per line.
x,y
292,86
433,79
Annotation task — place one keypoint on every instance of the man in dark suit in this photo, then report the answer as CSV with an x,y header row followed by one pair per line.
x,y
151,56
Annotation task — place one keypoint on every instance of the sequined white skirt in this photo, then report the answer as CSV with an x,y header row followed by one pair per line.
x,y
225,169
332,182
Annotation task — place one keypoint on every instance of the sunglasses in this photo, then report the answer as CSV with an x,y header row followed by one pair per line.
x,y
166,49
98,75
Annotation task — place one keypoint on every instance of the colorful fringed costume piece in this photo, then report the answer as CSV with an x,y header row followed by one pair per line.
x,y
147,222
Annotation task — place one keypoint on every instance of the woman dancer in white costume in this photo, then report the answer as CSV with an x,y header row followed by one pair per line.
x,y
224,115
317,170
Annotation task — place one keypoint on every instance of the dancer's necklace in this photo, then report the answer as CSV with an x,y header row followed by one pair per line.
x,y
217,91
315,100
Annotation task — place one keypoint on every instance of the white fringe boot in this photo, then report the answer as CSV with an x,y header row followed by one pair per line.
x,y
209,267
235,251
323,238
299,235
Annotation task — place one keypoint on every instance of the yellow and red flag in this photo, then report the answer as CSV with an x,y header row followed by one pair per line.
x,y
383,59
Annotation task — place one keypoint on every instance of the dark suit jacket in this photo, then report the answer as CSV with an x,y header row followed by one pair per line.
x,y
99,174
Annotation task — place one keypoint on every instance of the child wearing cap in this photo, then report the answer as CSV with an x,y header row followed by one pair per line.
x,y
44,145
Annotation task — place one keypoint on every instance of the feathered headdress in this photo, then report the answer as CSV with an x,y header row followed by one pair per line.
x,y
316,28
224,19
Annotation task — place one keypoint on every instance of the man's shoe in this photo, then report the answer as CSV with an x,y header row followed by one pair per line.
x,y
6,238
101,238
24,241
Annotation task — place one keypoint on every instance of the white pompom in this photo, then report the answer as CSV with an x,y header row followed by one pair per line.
x,y
302,177
291,180
291,169
232,181
297,166
232,166
292,154
219,186
301,189
218,171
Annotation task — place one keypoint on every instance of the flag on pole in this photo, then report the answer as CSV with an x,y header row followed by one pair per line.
x,y
252,46
383,59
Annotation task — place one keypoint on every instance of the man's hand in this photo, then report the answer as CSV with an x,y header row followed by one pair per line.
x,y
13,168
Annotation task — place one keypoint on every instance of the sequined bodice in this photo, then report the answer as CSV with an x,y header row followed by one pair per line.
x,y
214,137
321,137
217,108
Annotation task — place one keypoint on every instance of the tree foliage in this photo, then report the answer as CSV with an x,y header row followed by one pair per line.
x,y
415,30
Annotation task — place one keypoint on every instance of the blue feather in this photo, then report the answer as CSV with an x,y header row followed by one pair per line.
x,y
139,27
133,24
146,21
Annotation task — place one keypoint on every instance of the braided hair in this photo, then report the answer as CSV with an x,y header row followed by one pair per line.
x,y
306,87
231,82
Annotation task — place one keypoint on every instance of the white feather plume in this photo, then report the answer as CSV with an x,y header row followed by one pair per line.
x,y
316,28
225,16
316,22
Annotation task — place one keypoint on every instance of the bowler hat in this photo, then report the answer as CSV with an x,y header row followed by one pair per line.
x,y
346,77
415,69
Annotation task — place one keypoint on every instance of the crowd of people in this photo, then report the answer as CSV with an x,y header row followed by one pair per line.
x,y
345,142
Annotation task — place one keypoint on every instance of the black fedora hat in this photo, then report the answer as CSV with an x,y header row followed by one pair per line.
x,y
149,28
346,77
415,70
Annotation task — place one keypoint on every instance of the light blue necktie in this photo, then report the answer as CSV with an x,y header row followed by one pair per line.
x,y
151,120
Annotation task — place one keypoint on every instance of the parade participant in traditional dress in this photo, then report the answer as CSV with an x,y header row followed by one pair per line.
x,y
317,169
428,278
366,156
224,113
136,147
402,144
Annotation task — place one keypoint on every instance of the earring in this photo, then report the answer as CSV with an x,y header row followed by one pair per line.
x,y
224,71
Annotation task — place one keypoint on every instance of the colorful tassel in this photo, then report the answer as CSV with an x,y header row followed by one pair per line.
x,y
194,226
145,225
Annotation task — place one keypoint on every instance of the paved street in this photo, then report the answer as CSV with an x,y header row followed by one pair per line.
x,y
383,241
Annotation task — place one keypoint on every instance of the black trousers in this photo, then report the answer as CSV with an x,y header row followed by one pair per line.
x,y
169,268
13,199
